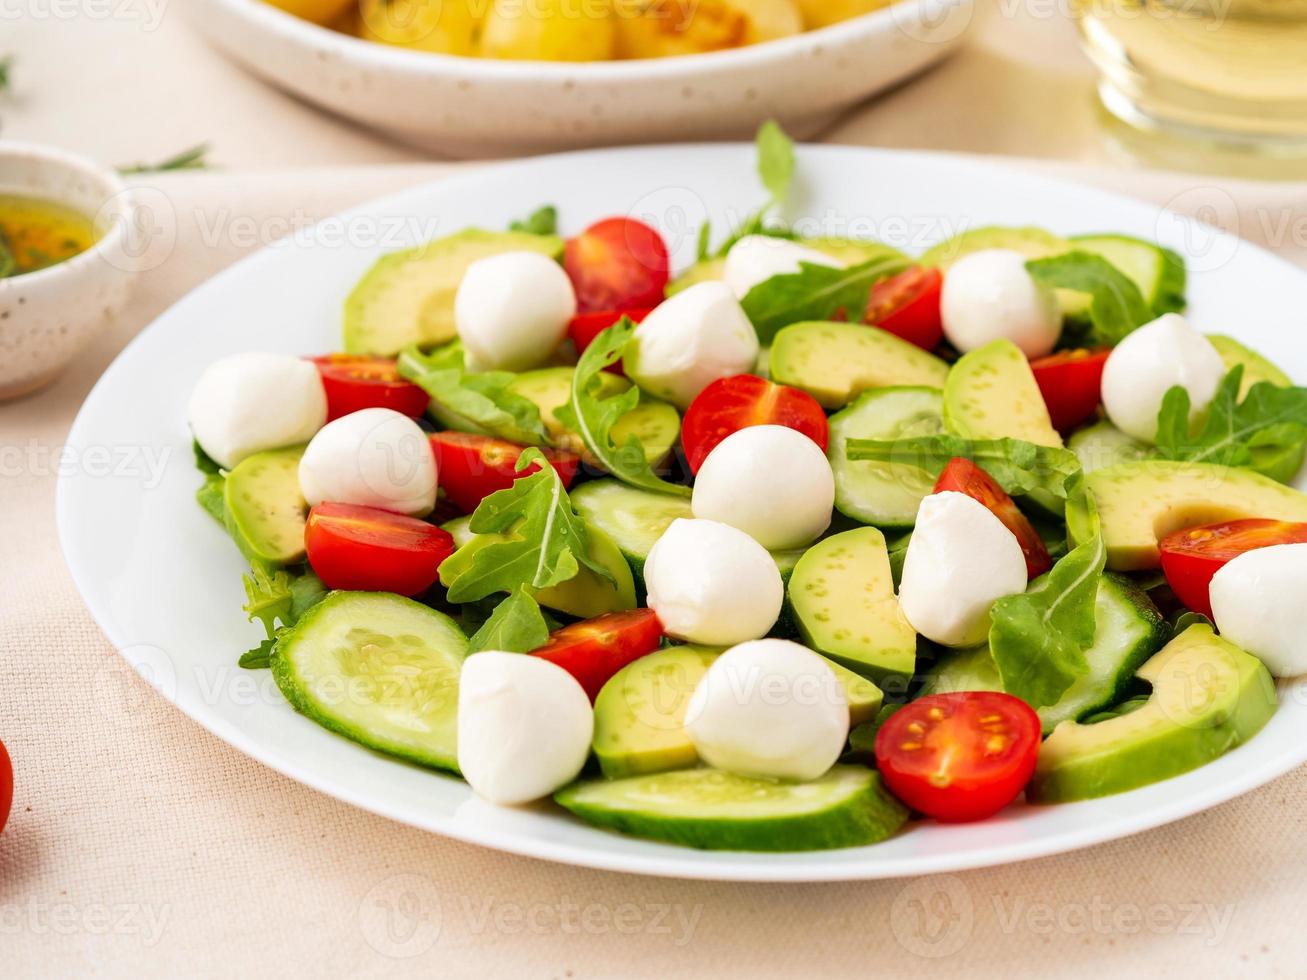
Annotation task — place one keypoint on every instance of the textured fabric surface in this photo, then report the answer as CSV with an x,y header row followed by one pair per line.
x,y
141,846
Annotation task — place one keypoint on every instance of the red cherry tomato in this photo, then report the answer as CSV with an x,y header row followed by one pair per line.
x,y
585,327
594,650
1191,557
966,477
6,786
354,382
907,305
730,404
473,467
617,264
369,550
1071,382
959,757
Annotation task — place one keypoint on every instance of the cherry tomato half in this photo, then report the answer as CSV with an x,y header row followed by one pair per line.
x,y
472,467
966,477
6,786
354,382
730,404
959,757
1071,382
1191,557
594,650
369,550
907,305
617,264
585,327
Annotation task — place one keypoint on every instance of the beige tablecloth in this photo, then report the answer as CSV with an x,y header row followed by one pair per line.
x,y
141,846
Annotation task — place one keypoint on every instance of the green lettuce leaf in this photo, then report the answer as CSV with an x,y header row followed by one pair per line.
x,y
482,399
516,626
277,598
543,221
1116,306
815,292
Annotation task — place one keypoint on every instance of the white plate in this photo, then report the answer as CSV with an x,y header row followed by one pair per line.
x,y
474,107
163,580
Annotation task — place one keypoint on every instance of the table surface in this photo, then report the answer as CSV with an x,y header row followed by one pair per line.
x,y
141,846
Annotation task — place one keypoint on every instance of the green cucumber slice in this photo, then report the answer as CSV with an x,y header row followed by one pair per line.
x,y
379,669
713,810
1102,445
883,494
1158,272
263,508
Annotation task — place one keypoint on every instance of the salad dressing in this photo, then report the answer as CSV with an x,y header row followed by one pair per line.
x,y
36,233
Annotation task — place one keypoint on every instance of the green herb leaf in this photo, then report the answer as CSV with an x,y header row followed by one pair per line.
x,y
6,67
593,417
193,159
775,160
705,242
1182,620
1116,306
8,262
483,399
815,292
545,542
260,657
212,497
516,626
277,598
543,221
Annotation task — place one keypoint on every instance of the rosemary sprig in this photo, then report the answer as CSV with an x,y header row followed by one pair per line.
x,y
193,159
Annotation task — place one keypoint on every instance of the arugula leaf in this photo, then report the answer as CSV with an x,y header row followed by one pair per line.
x,y
212,497
1233,433
546,543
483,399
815,292
704,246
593,417
259,657
516,626
775,160
1116,306
1019,467
1182,620
543,221
277,597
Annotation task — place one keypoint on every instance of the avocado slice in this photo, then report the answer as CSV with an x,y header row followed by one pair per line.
x,y
408,297
835,362
640,713
1142,502
991,394
842,596
850,251
1034,243
264,509
1208,697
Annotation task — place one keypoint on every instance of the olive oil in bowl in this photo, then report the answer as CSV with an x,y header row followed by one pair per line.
x,y
36,234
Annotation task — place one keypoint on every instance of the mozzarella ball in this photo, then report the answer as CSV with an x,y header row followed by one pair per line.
x,y
772,482
989,295
756,258
961,558
1148,363
769,708
512,310
689,341
375,458
247,403
1257,602
711,583
524,726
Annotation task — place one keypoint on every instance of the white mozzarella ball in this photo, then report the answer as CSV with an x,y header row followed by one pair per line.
x,y
247,403
375,458
756,258
512,310
773,483
961,558
711,583
989,295
1258,604
1148,363
524,726
689,341
769,708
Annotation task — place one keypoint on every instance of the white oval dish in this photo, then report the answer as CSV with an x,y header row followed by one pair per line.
x,y
163,580
475,107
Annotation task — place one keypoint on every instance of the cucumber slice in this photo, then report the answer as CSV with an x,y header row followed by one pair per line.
x,y
1102,445
1158,272
263,507
1129,630
884,494
379,669
713,810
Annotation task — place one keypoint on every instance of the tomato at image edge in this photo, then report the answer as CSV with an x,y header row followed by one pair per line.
x,y
594,650
730,404
1191,557
364,549
959,757
471,467
964,476
908,306
6,786
617,264
1071,382
354,382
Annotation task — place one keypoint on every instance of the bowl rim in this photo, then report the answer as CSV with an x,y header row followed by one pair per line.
x,y
115,190
377,55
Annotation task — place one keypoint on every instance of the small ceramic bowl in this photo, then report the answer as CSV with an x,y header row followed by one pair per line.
x,y
47,317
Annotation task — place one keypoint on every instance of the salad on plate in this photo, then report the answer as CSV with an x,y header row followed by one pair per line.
x,y
779,552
